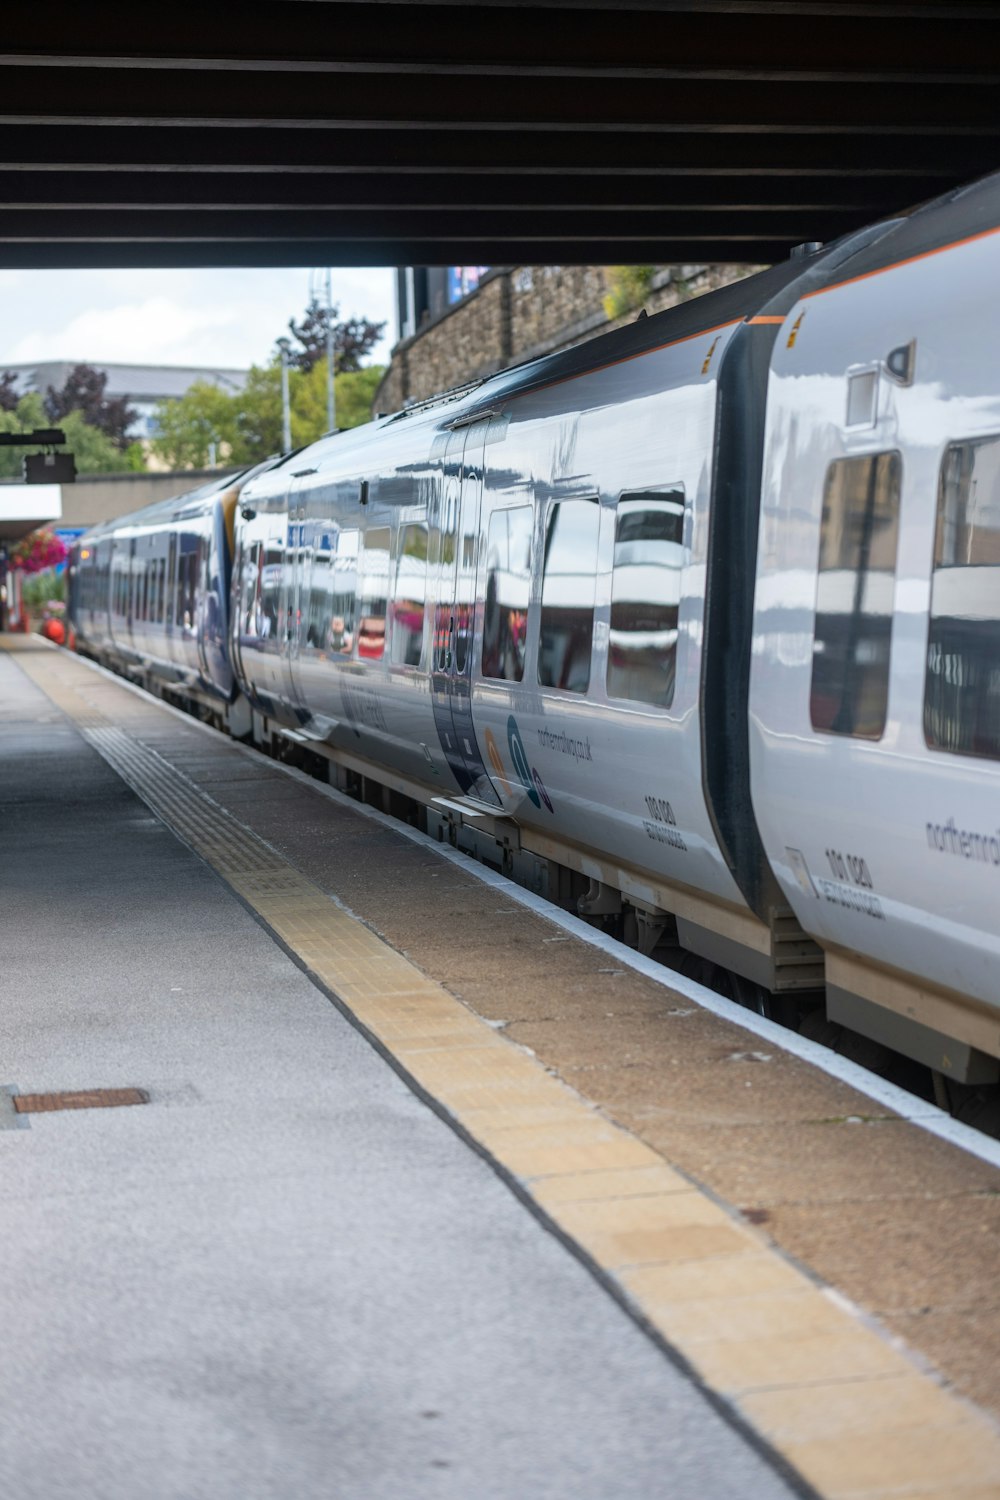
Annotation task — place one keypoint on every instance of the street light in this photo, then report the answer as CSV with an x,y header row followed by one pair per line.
x,y
331,418
284,346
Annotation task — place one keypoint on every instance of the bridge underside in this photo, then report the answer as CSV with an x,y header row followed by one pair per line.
x,y
563,131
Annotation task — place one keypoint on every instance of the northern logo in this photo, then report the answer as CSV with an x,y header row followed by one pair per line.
x,y
524,773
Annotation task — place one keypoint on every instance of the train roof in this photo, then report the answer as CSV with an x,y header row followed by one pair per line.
x,y
958,215
731,304
965,213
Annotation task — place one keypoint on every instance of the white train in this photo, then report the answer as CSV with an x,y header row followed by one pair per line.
x,y
700,620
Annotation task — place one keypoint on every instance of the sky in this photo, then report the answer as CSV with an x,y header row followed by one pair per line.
x,y
229,318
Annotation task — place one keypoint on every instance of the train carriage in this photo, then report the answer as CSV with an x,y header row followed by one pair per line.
x,y
701,615
520,619
150,592
875,694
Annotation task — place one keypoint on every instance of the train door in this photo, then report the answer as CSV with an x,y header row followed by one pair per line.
x,y
455,540
260,603
118,580
298,576
203,572
170,607
132,602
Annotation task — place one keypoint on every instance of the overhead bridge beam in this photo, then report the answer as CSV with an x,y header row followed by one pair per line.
x,y
362,132
256,149
448,192
60,252
52,94
649,227
703,41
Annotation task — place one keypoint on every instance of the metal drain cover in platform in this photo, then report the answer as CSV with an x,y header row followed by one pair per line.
x,y
37,1104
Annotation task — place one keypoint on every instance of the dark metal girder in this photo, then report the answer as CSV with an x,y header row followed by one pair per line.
x,y
152,148
62,191
54,94
340,35
455,225
76,254
375,131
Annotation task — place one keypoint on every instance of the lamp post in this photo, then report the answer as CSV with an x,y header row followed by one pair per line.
x,y
286,411
331,414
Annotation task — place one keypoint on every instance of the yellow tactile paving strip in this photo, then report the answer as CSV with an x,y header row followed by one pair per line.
x,y
844,1406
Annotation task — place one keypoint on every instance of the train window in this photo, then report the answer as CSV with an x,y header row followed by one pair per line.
x,y
374,594
645,597
191,585
187,572
250,590
854,596
567,620
319,574
508,581
962,683
343,613
410,596
270,590
154,589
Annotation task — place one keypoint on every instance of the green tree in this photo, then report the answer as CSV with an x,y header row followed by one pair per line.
x,y
187,428
257,427
353,391
628,288
247,426
94,453
8,391
352,340
83,391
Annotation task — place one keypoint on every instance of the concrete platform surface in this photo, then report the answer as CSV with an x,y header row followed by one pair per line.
x,y
284,1276
587,1085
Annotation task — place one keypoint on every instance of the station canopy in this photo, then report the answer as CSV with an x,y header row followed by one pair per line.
x,y
307,132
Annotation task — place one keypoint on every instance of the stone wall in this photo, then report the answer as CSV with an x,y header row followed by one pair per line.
x,y
518,313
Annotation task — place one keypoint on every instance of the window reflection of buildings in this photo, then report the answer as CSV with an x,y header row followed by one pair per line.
x,y
344,594
856,570
645,597
374,601
568,587
409,596
508,584
962,683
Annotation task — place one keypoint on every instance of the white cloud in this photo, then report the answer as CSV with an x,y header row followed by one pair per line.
x,y
165,332
178,317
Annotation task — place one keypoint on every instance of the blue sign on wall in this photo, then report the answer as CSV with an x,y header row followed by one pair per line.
x,y
463,279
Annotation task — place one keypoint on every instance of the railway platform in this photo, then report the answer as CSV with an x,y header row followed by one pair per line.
x,y
334,1164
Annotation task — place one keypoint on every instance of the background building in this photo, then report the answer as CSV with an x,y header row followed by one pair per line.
x,y
424,292
144,386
